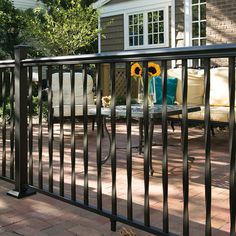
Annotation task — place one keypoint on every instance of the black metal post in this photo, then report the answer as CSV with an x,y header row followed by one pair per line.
x,y
21,185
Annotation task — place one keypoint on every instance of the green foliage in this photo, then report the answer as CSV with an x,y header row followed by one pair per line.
x,y
62,27
35,107
7,110
35,103
121,100
12,23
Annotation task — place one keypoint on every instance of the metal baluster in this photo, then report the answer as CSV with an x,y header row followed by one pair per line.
x,y
72,107
50,129
30,131
85,141
207,148
12,115
61,115
140,149
4,124
1,71
164,149
129,143
113,145
185,147
99,136
232,144
40,130
147,147
1,99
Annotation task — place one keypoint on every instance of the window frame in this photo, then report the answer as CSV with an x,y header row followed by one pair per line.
x,y
188,24
145,28
199,21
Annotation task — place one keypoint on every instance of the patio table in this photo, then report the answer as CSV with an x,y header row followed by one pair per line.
x,y
155,114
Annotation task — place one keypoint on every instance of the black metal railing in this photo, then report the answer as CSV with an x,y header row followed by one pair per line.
x,y
7,117
29,175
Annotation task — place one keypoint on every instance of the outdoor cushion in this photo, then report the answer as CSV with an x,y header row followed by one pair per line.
x,y
156,87
67,110
195,85
219,91
218,114
198,115
67,92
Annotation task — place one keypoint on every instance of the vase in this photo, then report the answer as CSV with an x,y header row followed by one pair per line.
x,y
151,99
141,95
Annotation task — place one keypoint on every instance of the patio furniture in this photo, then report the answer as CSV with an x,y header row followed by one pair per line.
x,y
155,114
67,94
219,94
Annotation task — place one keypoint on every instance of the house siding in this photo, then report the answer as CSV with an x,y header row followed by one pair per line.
x,y
221,21
113,31
221,24
25,4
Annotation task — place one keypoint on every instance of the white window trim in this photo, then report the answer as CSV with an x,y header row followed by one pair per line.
x,y
187,23
199,38
99,35
173,34
128,6
146,46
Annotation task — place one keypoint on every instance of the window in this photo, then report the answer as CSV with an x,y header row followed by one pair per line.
x,y
147,29
156,27
198,22
136,30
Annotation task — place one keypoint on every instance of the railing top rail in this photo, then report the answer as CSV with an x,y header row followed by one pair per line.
x,y
7,64
209,51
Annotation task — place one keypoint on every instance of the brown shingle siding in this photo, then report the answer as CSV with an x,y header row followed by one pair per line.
x,y
113,39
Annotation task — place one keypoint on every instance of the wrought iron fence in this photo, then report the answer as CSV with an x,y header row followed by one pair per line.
x,y
22,129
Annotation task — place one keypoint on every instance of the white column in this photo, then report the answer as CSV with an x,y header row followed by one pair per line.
x,y
187,23
99,34
173,35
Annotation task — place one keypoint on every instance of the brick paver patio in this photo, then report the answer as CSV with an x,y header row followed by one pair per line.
x,y
42,215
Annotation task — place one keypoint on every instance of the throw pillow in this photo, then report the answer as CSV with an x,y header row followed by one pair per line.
x,y
156,88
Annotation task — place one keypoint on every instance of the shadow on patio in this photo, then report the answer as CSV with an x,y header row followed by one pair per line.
x,y
42,215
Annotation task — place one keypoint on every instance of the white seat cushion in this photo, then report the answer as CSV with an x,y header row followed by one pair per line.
x,y
67,110
219,91
218,114
195,85
67,93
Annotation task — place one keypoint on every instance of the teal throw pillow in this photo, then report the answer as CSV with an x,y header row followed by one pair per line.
x,y
156,88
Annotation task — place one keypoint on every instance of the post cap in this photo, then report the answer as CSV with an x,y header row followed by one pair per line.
x,y
21,46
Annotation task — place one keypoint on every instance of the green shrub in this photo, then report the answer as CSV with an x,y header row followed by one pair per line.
x,y
121,100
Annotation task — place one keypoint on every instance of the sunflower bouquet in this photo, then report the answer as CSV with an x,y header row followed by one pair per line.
x,y
137,73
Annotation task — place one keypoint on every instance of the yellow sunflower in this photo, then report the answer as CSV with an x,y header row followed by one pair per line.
x,y
153,69
136,70
106,101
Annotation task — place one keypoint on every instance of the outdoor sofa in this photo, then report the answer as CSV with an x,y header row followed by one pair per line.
x,y
219,94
